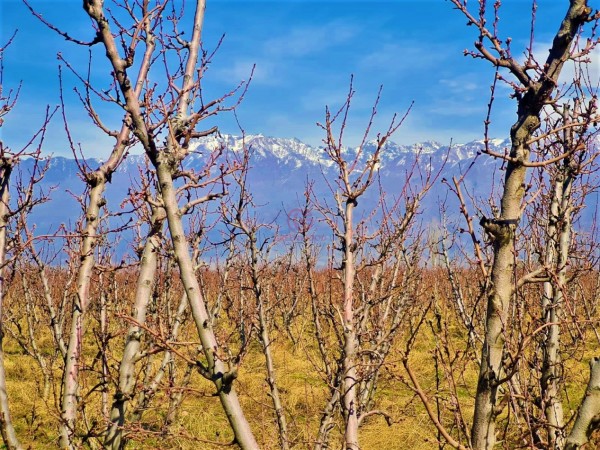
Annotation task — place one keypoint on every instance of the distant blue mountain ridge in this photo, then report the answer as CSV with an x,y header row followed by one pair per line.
x,y
279,172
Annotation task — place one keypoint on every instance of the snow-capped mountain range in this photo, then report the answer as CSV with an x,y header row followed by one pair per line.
x,y
295,153
280,169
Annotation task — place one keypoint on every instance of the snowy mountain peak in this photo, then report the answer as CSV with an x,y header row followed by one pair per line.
x,y
294,153
288,151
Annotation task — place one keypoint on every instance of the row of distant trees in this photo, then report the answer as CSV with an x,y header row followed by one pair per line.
x,y
515,303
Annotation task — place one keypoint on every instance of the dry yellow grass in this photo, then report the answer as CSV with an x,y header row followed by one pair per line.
x,y
201,419
201,422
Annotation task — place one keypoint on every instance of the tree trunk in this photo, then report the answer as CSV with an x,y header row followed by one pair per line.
x,y
559,238
70,383
9,436
588,416
265,340
349,380
215,366
501,230
143,294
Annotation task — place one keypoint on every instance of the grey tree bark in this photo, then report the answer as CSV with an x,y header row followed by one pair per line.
x,y
181,129
143,294
215,368
9,435
557,255
588,416
551,304
536,93
349,361
81,301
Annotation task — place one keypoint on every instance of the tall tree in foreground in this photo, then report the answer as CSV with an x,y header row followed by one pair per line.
x,y
144,37
96,182
164,123
373,270
11,210
534,85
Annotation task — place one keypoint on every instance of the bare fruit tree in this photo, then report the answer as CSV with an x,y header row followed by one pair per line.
x,y
373,270
164,124
257,268
12,212
162,118
534,86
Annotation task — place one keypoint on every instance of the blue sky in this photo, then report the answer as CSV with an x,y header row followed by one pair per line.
x,y
305,52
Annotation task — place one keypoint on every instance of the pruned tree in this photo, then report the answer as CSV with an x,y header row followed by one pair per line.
x,y
255,241
11,224
376,277
534,86
96,181
163,121
164,124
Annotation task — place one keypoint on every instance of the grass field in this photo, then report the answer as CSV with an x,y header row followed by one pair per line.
x,y
201,423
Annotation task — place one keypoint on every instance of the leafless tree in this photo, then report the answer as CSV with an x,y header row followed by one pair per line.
x,y
96,181
11,211
179,110
163,121
256,242
377,273
534,85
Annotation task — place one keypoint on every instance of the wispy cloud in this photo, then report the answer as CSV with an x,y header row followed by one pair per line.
x,y
275,58
317,98
261,69
452,107
587,66
461,84
408,56
305,40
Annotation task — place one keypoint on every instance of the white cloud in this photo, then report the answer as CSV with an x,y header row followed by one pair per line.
x,y
317,98
588,66
453,107
272,58
406,56
306,40
265,71
460,84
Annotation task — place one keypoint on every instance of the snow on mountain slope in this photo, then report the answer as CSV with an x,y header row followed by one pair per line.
x,y
279,171
286,151
296,154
